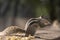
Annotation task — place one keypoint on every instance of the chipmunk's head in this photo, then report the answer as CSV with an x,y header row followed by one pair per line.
x,y
43,21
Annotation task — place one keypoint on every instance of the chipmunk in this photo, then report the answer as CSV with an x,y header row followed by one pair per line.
x,y
33,24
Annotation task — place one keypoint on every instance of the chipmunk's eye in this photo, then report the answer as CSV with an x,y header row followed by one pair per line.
x,y
46,23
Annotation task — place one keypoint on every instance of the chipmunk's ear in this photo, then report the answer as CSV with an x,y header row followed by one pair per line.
x,y
40,17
